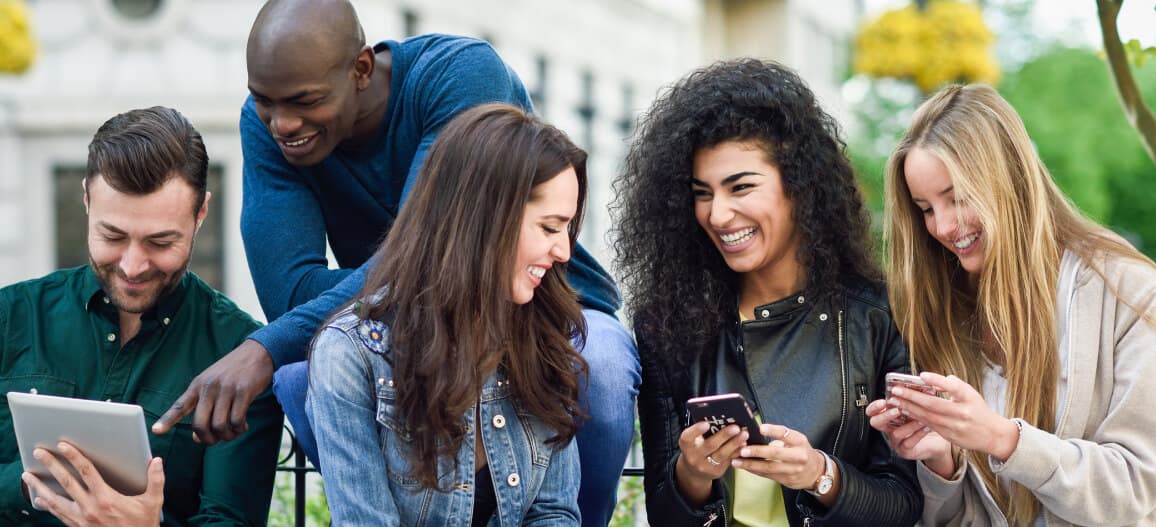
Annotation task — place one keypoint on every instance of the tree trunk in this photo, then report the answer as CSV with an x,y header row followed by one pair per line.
x,y
1137,111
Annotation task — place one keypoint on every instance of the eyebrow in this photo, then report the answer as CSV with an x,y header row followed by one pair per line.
x,y
162,234
947,190
727,180
292,97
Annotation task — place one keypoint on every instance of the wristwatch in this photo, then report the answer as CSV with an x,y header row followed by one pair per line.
x,y
826,480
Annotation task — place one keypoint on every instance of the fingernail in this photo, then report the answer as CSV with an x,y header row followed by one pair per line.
x,y
736,463
926,429
698,441
62,447
897,391
38,453
733,430
746,452
746,435
893,412
27,477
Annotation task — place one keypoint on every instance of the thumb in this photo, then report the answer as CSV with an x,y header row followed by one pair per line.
x,y
156,478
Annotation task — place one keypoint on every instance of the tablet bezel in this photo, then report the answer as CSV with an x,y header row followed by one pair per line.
x,y
111,435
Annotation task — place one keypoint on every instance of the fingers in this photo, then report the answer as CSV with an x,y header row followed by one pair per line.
x,y
59,471
183,406
89,476
709,457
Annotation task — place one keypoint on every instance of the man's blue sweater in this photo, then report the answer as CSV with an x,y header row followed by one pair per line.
x,y
353,196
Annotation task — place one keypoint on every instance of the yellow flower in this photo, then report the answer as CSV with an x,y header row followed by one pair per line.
x,y
946,42
17,47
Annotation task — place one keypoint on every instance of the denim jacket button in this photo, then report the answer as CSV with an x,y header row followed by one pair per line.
x,y
499,421
513,479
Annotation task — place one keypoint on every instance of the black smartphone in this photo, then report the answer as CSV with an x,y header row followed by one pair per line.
x,y
722,410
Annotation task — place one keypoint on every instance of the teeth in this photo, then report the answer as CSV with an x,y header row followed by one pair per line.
x,y
966,242
736,238
298,142
537,272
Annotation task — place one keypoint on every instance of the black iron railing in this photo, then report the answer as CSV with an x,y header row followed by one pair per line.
x,y
296,463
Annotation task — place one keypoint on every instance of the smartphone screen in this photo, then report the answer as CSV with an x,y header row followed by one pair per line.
x,y
723,410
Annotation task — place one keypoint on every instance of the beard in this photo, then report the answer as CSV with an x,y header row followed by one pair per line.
x,y
136,301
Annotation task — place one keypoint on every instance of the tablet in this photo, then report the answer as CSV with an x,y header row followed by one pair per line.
x,y
111,435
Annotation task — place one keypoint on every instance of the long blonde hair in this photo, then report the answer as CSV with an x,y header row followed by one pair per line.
x,y
1027,224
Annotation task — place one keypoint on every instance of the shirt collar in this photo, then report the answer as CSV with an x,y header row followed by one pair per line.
x,y
95,300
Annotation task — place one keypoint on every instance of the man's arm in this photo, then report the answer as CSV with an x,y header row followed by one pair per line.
x,y
281,225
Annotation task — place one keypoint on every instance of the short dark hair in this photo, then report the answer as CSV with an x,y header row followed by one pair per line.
x,y
138,151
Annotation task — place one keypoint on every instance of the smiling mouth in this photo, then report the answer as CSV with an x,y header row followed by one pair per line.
x,y
966,241
537,272
737,237
298,142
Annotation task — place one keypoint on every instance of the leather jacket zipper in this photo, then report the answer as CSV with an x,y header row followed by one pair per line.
x,y
843,382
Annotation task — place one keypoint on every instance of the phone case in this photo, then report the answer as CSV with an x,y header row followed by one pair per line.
x,y
722,410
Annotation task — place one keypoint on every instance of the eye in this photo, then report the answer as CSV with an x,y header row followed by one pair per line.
x,y
306,104
161,244
700,194
741,187
926,212
550,230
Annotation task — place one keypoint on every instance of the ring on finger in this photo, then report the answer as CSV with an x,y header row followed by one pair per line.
x,y
712,461
787,433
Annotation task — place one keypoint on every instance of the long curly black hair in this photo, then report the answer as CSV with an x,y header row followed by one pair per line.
x,y
679,289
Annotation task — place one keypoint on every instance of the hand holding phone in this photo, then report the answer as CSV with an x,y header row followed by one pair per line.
x,y
722,410
911,382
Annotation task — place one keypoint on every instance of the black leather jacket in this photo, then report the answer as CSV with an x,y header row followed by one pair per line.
x,y
810,366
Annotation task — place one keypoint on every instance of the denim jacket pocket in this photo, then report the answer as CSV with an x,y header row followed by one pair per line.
x,y
396,441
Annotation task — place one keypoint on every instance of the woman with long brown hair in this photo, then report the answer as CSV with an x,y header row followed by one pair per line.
x,y
1033,322
449,390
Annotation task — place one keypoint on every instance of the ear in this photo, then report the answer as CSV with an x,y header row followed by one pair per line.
x,y
363,67
203,212
84,193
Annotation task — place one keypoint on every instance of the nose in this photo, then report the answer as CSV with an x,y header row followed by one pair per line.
x,y
284,123
134,262
945,225
561,251
721,212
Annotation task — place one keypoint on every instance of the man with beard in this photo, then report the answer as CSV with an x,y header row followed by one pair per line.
x,y
135,326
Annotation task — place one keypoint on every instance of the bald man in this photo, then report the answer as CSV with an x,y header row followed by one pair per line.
x,y
334,133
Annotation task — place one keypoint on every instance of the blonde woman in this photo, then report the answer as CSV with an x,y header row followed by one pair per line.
x,y
1037,323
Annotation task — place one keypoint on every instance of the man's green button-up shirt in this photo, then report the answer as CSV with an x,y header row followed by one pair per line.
x,y
60,335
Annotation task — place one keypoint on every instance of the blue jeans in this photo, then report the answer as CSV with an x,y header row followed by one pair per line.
x,y
603,442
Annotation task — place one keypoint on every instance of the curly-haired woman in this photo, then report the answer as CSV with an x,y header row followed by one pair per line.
x,y
449,394
1042,321
745,247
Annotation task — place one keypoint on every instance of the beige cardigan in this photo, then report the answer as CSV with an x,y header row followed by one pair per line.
x,y
1100,467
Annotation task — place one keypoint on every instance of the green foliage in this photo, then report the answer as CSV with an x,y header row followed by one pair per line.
x,y
1138,55
1070,108
316,507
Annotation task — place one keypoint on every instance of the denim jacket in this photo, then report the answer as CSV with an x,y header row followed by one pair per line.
x,y
352,393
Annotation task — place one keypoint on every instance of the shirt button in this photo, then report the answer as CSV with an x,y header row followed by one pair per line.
x,y
166,321
111,337
499,421
513,479
33,391
801,299
765,313
106,300
822,316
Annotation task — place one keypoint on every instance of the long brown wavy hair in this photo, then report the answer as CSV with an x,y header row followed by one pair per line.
x,y
445,269
1027,224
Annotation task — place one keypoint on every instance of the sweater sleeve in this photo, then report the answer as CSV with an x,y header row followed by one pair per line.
x,y
1107,474
281,225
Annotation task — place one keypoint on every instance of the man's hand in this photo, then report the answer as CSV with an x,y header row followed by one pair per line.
x,y
221,395
94,503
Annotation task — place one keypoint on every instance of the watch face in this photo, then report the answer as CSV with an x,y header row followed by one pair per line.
x,y
825,485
